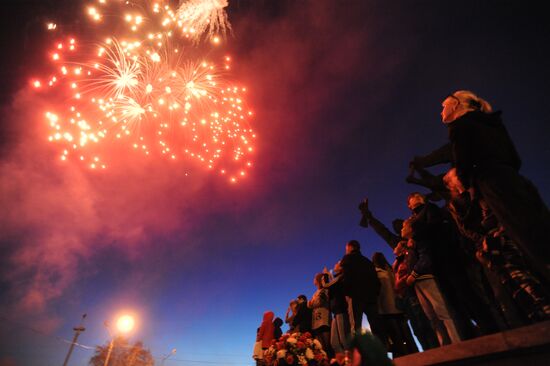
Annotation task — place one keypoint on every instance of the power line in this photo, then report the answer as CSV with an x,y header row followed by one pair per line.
x,y
91,348
44,334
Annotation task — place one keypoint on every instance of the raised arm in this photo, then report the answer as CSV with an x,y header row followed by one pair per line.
x,y
368,219
441,155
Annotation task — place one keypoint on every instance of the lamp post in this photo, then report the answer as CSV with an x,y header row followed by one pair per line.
x,y
172,352
109,351
124,324
77,331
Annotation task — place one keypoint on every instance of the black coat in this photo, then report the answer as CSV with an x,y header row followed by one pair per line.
x,y
337,299
484,152
302,320
480,140
426,227
360,280
477,141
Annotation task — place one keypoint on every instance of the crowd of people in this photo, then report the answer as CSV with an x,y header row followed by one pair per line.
x,y
470,260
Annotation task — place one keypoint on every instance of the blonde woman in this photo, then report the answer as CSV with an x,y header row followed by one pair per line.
x,y
486,160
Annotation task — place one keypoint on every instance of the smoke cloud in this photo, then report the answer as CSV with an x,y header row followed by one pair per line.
x,y
59,218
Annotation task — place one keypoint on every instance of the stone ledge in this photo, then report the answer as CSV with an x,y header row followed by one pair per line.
x,y
529,344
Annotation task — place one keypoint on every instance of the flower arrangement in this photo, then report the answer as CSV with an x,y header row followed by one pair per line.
x,y
294,350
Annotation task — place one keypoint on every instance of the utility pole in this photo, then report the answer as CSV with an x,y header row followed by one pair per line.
x,y
77,331
109,351
124,324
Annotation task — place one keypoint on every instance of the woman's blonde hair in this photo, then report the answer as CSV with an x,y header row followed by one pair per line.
x,y
472,102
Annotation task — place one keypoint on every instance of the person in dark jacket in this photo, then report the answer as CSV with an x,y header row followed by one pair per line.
x,y
302,320
421,229
408,301
460,277
277,331
498,253
486,160
361,288
340,328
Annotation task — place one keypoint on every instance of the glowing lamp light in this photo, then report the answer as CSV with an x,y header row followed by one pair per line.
x,y
125,323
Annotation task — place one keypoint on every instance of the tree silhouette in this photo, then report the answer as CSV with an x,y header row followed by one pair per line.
x,y
122,354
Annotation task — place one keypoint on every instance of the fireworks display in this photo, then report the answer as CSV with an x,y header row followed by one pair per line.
x,y
139,88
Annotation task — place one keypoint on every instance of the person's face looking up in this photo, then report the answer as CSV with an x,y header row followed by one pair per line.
x,y
414,201
406,231
449,108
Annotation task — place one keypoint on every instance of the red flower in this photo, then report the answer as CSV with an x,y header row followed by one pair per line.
x,y
318,357
307,334
273,342
280,345
289,359
301,345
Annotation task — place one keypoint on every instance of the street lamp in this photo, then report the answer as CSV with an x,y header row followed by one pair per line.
x,y
124,324
172,352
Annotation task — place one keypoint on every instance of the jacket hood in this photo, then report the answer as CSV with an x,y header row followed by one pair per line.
x,y
268,316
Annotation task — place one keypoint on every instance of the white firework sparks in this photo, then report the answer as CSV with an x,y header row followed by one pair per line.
x,y
199,17
119,75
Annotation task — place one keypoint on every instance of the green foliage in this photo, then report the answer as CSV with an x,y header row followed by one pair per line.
x,y
122,354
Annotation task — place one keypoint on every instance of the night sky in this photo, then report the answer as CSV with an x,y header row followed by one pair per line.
x,y
345,93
